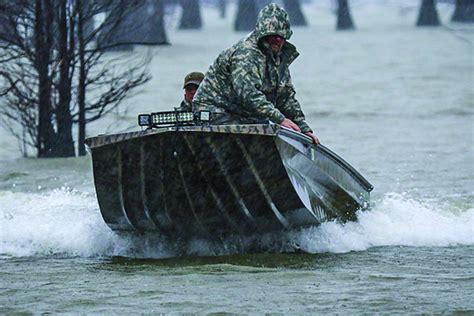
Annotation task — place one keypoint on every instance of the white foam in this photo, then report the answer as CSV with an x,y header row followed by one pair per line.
x,y
58,222
68,223
395,220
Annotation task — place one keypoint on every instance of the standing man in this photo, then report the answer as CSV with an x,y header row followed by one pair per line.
x,y
251,82
191,83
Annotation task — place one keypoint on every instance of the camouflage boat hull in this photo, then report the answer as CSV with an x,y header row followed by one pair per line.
x,y
220,180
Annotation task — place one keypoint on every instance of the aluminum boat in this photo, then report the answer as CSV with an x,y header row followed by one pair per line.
x,y
218,180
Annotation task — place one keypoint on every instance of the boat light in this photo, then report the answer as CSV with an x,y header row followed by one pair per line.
x,y
144,119
205,116
173,118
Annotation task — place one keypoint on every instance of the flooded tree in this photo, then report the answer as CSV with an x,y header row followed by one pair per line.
x,y
222,6
152,16
464,11
53,75
142,24
293,7
155,21
428,15
6,29
246,17
191,16
65,143
344,19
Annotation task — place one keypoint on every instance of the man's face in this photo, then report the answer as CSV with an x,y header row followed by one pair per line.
x,y
190,91
276,42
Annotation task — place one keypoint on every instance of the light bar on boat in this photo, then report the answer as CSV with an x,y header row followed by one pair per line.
x,y
165,118
173,118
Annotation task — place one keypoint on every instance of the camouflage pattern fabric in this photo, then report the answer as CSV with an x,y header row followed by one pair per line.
x,y
184,106
248,83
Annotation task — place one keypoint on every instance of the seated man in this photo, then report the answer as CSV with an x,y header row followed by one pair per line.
x,y
251,82
191,83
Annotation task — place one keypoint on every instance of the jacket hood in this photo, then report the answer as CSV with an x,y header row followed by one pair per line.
x,y
273,20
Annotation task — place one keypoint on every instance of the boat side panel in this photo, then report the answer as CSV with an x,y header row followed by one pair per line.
x,y
203,173
342,177
268,176
188,191
132,179
302,140
244,200
322,195
107,180
202,206
153,184
174,194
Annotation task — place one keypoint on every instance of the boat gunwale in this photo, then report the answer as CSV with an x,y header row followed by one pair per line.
x,y
245,129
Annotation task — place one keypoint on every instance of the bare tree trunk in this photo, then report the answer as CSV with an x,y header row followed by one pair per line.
x,y
150,19
118,35
246,15
24,151
428,15
6,30
222,5
43,44
344,19
293,7
65,145
88,24
134,22
81,87
191,17
464,11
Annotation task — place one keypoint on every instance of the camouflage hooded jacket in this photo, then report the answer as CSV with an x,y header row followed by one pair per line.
x,y
248,81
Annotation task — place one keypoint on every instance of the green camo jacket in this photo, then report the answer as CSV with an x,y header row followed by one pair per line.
x,y
249,82
184,106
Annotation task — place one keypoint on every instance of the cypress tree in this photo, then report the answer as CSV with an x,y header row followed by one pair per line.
x,y
246,18
293,7
344,19
464,11
191,16
428,15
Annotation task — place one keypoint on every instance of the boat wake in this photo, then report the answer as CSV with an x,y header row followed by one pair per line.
x,y
65,223
395,220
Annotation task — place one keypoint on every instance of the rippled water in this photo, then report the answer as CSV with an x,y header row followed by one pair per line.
x,y
382,279
393,100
